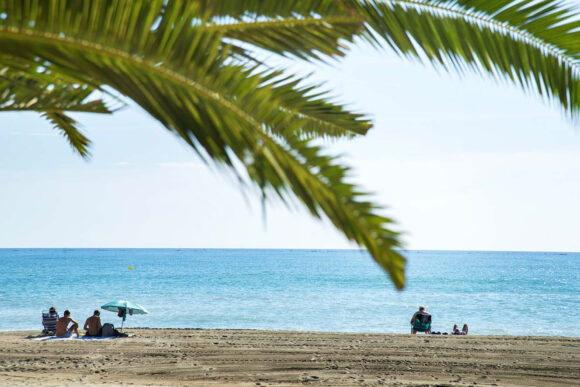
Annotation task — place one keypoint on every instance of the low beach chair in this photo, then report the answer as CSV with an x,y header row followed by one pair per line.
x,y
422,323
49,320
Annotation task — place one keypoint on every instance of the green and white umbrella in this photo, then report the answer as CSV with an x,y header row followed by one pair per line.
x,y
127,307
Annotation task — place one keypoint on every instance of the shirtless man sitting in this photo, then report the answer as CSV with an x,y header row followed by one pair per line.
x,y
93,324
62,329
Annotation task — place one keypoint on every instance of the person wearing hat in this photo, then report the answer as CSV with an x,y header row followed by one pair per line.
x,y
52,313
421,311
49,321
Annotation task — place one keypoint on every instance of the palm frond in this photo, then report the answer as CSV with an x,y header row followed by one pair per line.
x,y
219,109
547,23
308,30
320,183
304,38
190,66
532,44
68,128
308,104
26,87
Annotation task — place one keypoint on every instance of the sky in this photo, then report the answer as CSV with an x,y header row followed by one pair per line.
x,y
460,162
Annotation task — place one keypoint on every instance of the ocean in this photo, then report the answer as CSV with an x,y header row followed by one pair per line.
x,y
497,293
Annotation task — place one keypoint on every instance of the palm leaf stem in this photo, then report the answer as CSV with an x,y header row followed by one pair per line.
x,y
281,23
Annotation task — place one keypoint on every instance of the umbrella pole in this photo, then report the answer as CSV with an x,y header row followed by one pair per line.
x,y
123,321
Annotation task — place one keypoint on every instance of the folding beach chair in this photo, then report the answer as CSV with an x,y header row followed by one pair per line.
x,y
49,320
422,323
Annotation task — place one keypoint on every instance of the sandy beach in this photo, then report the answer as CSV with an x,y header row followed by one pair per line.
x,y
175,357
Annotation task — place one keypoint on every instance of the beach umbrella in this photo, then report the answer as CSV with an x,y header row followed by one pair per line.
x,y
122,308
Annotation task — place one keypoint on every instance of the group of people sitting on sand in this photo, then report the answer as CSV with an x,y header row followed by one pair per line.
x,y
421,322
66,326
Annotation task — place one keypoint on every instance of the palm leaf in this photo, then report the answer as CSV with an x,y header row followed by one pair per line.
x,y
309,105
532,44
219,109
305,38
190,65
320,184
68,128
26,87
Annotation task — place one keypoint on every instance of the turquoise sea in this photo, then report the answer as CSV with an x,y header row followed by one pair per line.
x,y
503,293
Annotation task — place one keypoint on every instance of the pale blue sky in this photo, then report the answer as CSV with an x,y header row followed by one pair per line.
x,y
461,162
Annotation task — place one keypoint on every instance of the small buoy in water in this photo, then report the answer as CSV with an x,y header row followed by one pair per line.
x,y
130,267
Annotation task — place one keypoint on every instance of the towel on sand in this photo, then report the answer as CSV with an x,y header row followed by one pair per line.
x,y
45,338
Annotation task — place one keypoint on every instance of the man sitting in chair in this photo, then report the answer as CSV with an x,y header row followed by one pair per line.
x,y
62,329
421,321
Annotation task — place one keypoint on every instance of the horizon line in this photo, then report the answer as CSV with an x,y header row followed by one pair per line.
x,y
279,248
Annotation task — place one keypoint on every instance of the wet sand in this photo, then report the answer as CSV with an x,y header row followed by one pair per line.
x,y
173,357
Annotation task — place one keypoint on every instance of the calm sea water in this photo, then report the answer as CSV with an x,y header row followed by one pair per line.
x,y
515,293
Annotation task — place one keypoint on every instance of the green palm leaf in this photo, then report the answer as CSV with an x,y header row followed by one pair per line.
x,y
25,87
68,128
191,66
533,44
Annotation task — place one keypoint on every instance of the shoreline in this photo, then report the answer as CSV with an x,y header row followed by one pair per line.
x,y
32,332
202,357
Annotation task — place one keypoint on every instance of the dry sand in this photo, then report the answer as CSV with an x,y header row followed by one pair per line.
x,y
265,358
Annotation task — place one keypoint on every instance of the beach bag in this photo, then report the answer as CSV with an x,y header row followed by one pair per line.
x,y
108,330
